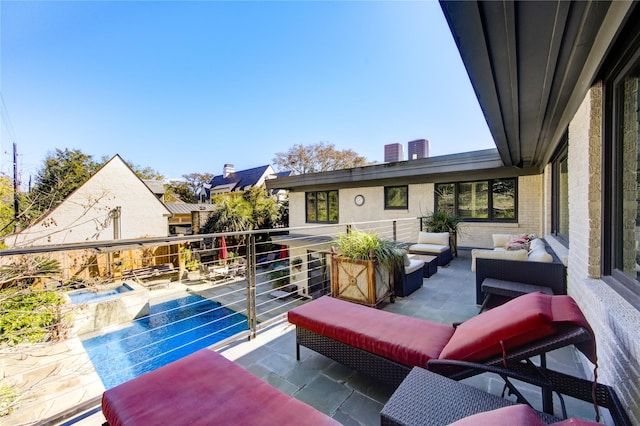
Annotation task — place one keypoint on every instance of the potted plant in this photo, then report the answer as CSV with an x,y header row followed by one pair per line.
x,y
443,221
363,267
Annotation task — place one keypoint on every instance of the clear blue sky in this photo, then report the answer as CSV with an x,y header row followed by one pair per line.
x,y
185,87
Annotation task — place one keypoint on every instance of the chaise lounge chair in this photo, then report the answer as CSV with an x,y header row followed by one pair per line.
x,y
386,346
207,389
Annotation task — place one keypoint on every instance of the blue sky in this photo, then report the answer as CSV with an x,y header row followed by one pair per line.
x,y
186,87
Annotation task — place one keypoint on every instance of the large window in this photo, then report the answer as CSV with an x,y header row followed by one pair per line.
x,y
621,197
396,197
322,206
493,200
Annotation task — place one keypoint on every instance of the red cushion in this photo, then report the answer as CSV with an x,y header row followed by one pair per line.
x,y
520,321
409,341
204,388
520,415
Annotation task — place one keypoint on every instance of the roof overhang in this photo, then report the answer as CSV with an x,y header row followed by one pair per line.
x,y
474,165
531,64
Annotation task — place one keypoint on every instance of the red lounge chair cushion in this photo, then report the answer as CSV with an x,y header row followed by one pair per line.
x,y
520,321
206,389
521,415
408,341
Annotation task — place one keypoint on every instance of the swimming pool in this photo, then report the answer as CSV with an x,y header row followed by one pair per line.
x,y
172,330
86,296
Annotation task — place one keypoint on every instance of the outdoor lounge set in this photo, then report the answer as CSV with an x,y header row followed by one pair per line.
x,y
206,388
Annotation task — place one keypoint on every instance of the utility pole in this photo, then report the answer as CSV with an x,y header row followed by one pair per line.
x,y
16,207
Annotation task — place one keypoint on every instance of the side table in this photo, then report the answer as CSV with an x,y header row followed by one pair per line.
x,y
426,398
430,264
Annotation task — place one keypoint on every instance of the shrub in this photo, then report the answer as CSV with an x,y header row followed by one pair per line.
x,y
30,316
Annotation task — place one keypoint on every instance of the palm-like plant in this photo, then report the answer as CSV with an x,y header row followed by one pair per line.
x,y
359,245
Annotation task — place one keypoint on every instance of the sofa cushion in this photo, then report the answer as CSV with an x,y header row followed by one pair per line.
x,y
520,321
427,248
414,265
437,238
536,243
387,334
499,240
540,254
497,254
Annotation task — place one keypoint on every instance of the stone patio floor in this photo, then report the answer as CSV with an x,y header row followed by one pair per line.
x,y
350,397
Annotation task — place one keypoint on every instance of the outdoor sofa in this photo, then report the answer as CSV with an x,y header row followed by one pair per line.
x,y
536,265
204,388
410,277
386,346
434,244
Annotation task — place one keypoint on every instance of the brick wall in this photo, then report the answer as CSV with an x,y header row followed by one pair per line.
x,y
615,322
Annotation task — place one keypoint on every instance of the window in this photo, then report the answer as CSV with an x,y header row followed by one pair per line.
x,y
621,190
396,197
560,194
322,206
491,200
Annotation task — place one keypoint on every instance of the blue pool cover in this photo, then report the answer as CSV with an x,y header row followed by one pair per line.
x,y
173,330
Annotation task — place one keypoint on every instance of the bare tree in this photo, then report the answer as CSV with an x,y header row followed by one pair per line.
x,y
318,157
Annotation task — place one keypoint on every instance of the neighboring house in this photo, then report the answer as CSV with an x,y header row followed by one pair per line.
x,y
157,187
231,180
186,219
113,204
559,85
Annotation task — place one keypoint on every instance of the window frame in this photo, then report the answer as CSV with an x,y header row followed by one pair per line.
x,y
386,199
562,154
623,59
327,206
490,210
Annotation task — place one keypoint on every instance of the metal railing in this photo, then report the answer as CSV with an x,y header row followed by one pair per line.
x,y
132,305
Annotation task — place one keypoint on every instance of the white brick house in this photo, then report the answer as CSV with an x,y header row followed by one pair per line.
x,y
113,204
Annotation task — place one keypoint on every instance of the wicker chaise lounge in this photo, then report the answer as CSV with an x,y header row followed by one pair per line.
x,y
386,346
204,388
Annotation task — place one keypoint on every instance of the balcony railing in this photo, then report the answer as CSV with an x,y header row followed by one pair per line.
x,y
132,305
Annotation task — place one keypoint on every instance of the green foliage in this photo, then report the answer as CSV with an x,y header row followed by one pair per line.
x,y
6,206
186,257
441,221
180,191
359,245
30,316
8,395
24,271
280,276
318,157
63,172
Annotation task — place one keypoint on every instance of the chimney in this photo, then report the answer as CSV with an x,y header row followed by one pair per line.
x,y
227,170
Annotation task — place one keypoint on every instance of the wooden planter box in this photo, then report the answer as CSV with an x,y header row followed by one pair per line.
x,y
361,281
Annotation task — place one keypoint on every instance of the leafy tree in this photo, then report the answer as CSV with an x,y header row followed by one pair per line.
x,y
195,181
187,190
63,172
319,157
6,205
231,214
179,191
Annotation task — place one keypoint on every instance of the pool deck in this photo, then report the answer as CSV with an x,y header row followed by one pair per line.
x,y
350,397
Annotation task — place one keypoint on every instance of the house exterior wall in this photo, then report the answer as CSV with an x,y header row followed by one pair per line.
x,y
421,203
614,320
88,213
